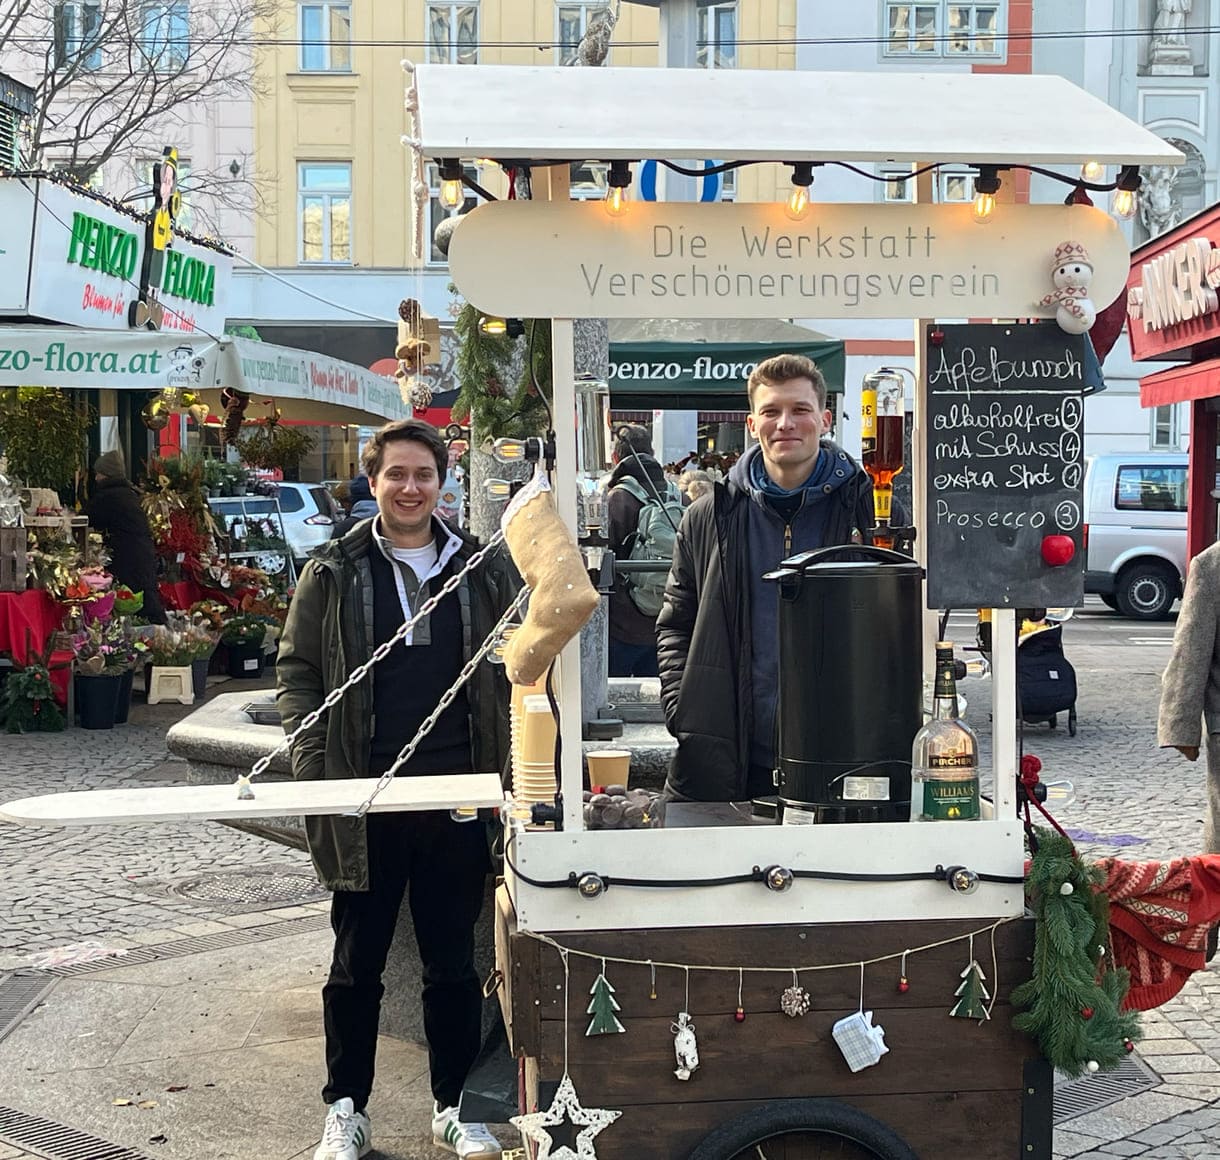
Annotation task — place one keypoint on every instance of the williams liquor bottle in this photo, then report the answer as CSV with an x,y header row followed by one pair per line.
x,y
945,756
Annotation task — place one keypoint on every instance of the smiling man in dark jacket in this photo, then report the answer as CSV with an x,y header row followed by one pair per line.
x,y
718,629
353,595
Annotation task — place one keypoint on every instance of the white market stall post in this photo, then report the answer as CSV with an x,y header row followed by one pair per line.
x,y
586,264
563,394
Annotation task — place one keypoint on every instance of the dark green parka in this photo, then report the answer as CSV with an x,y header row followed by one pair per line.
x,y
328,633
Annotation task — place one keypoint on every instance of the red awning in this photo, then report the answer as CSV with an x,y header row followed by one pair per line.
x,y
1181,384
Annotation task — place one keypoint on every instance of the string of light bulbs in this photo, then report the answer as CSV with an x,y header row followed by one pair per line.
x,y
1124,189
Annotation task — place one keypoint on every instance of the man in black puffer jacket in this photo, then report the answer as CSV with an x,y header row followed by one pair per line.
x,y
717,632
115,511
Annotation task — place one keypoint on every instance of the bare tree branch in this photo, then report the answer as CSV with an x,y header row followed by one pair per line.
x,y
113,79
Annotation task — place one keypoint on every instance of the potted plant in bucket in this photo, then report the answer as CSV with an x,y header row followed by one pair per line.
x,y
243,637
101,659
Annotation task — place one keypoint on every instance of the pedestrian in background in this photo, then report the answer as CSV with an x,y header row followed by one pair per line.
x,y
636,482
1190,688
116,512
362,506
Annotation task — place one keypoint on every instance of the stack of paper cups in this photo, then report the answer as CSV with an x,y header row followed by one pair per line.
x,y
534,750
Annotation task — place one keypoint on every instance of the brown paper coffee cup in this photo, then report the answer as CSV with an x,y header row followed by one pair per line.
x,y
608,766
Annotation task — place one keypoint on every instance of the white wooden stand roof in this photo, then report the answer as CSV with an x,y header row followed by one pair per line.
x,y
552,113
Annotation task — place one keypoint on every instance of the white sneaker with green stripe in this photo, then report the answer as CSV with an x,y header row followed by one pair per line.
x,y
348,1135
468,1141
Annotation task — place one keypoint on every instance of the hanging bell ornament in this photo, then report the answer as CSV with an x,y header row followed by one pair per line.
x,y
154,415
739,1015
1128,1046
903,985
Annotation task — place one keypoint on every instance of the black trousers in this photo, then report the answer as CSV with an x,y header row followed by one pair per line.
x,y
441,866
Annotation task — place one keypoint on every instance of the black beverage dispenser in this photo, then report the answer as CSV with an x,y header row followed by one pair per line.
x,y
850,684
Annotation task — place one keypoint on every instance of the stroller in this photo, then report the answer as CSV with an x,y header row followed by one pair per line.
x,y
1046,681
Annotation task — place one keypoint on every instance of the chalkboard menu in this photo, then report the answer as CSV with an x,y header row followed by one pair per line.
x,y
1005,467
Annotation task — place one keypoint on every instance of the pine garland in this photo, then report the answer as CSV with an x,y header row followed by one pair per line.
x,y
488,399
1074,998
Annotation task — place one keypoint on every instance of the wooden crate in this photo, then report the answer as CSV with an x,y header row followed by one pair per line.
x,y
950,1087
12,559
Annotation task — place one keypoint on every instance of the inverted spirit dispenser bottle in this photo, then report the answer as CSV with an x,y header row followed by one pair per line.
x,y
882,439
849,684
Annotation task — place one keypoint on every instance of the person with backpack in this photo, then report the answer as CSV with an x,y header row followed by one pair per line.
x,y
718,631
643,513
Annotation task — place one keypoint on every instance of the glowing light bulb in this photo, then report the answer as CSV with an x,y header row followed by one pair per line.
x,y
1123,203
984,207
797,205
493,326
616,201
1092,171
452,193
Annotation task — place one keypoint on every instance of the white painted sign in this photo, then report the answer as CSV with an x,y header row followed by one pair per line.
x,y
86,261
722,260
299,380
17,214
1176,286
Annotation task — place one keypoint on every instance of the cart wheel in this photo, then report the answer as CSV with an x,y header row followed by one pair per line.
x,y
1072,721
803,1130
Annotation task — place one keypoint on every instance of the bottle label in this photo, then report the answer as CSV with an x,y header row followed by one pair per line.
x,y
868,420
951,799
883,502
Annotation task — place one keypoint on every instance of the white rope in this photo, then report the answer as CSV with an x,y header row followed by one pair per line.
x,y
380,653
785,970
446,700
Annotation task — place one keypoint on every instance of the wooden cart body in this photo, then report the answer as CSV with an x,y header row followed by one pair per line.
x,y
951,1087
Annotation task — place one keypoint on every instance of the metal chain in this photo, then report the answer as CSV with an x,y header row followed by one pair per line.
x,y
446,700
380,653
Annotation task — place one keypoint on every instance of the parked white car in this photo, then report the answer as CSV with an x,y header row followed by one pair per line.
x,y
310,513
1135,531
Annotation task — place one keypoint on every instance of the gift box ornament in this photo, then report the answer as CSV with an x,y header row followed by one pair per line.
x,y
861,1043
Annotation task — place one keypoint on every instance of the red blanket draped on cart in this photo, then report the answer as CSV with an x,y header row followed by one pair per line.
x,y
35,613
1159,916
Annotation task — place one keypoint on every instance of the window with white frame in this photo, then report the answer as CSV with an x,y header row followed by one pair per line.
x,y
572,21
453,33
326,37
948,186
898,185
324,210
437,212
717,36
1165,427
944,29
78,34
165,32
728,185
954,187
587,180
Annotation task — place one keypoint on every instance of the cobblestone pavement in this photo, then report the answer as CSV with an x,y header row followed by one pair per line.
x,y
107,883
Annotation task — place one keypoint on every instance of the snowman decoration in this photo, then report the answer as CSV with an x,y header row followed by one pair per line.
x,y
1071,271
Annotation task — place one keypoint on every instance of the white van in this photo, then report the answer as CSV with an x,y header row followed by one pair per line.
x,y
1135,531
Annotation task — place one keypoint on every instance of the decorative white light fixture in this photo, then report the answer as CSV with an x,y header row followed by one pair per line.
x,y
453,192
986,186
618,180
797,205
1125,198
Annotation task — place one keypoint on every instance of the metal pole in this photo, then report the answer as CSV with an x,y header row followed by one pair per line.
x,y
679,49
